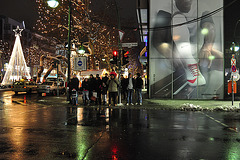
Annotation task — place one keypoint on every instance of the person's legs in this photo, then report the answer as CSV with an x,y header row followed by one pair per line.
x,y
77,98
124,94
140,95
87,95
131,95
109,98
114,98
137,94
128,96
84,97
90,95
104,98
99,97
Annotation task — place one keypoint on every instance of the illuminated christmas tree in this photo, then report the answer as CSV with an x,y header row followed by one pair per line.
x,y
17,67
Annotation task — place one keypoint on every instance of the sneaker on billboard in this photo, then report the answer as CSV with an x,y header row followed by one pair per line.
x,y
127,104
132,104
194,76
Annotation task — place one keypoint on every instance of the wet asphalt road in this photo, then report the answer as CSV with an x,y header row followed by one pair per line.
x,y
30,131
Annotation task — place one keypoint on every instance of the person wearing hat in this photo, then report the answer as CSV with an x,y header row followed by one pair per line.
x,y
113,85
113,72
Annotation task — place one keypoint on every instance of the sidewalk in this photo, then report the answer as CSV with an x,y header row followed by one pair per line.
x,y
198,105
184,105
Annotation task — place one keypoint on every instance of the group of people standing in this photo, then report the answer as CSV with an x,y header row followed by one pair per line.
x,y
95,89
128,85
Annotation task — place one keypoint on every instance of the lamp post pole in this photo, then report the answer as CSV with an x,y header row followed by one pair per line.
x,y
233,55
54,4
120,54
69,47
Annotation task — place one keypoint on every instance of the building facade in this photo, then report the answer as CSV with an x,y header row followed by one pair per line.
x,y
185,45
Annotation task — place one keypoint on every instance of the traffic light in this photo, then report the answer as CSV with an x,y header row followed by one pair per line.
x,y
115,55
125,57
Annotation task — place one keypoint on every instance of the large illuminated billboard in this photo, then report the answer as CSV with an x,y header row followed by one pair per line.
x,y
186,49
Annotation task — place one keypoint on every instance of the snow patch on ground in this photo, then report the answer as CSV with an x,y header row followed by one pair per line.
x,y
192,107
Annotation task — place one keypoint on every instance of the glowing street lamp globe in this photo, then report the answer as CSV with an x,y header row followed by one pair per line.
x,y
52,3
234,48
81,50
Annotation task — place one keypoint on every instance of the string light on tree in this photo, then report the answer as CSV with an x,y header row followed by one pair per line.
x,y
98,28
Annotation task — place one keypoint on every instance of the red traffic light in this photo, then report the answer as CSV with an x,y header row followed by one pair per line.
x,y
115,53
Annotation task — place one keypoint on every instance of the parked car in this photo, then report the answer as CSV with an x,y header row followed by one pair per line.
x,y
54,79
50,87
24,86
2,86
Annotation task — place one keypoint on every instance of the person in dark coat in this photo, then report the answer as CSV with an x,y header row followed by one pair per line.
x,y
85,88
123,87
138,88
104,88
130,82
74,84
98,89
91,82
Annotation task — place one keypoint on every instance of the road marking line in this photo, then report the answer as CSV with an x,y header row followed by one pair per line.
x,y
219,122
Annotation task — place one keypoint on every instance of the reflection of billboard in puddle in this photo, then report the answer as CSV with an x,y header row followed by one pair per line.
x,y
186,49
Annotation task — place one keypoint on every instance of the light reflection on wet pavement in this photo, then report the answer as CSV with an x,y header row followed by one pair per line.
x,y
35,131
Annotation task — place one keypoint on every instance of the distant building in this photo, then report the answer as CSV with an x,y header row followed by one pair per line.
x,y
6,31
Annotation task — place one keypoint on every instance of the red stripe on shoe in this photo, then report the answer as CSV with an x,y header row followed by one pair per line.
x,y
192,81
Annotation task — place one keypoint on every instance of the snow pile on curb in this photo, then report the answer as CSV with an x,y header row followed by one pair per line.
x,y
192,107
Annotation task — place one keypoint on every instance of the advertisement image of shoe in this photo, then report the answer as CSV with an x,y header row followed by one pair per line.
x,y
194,76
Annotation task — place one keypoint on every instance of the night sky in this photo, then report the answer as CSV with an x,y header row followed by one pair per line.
x,y
232,15
25,10
20,10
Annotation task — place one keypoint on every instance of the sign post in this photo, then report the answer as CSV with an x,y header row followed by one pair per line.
x,y
121,34
80,63
130,45
234,69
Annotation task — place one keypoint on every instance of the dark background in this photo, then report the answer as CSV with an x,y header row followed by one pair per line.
x,y
25,10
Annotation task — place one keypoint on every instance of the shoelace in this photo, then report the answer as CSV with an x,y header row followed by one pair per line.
x,y
194,69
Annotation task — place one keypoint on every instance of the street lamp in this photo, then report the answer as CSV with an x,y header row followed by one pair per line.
x,y
54,4
81,50
234,47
